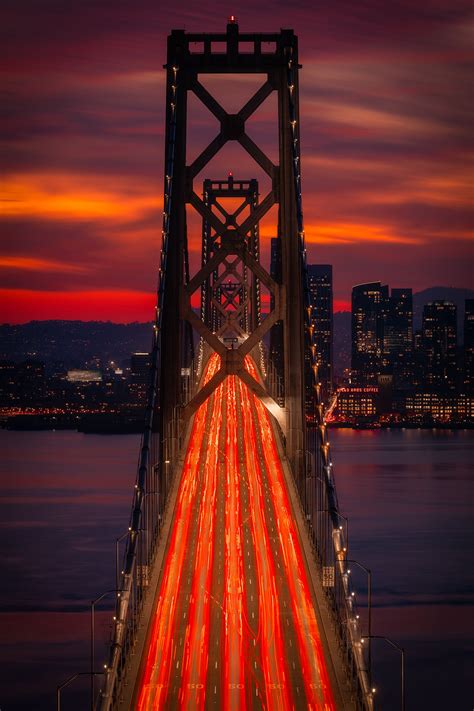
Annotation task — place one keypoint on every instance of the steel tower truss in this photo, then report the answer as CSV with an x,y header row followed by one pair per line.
x,y
231,237
230,300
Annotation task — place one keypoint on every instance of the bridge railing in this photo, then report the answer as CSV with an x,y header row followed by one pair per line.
x,y
328,530
273,380
152,487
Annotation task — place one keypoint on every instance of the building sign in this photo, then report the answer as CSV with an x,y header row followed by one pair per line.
x,y
84,376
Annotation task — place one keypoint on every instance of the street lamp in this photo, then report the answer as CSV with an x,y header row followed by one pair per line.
x,y
402,665
164,452
167,463
369,609
117,557
66,683
340,515
126,533
346,520
92,654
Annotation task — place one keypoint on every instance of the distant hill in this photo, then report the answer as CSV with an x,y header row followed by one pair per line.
x,y
441,293
73,343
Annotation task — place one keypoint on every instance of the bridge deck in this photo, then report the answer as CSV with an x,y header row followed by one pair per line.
x,y
234,624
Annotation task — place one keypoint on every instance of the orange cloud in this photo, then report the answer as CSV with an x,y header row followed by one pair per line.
x,y
348,233
37,264
75,197
371,119
408,180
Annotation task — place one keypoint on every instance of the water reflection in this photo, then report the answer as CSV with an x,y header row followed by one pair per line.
x,y
64,498
409,497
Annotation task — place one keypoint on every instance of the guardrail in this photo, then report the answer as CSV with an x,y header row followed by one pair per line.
x,y
150,496
328,530
152,487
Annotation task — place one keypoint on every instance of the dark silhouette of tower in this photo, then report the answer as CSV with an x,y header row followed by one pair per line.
x,y
439,344
320,286
369,305
398,338
240,289
469,345
140,364
276,332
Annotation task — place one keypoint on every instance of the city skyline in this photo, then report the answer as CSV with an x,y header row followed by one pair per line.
x,y
384,136
397,374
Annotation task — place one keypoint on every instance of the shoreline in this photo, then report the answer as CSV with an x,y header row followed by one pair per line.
x,y
106,423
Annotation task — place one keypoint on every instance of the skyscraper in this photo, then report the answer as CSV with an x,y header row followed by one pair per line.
x,y
398,338
369,306
469,345
439,344
140,364
276,331
320,286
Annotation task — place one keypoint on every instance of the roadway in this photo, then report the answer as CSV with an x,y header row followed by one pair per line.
x,y
234,625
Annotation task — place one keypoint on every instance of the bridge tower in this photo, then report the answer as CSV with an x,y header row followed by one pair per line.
x,y
231,238
219,292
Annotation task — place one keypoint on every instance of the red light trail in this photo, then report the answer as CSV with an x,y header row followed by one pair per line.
x,y
234,625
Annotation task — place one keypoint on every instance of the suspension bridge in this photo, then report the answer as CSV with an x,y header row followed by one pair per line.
x,y
234,591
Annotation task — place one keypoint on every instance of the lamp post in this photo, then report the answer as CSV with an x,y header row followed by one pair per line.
x,y
346,520
117,556
145,495
66,683
167,463
92,651
165,456
402,666
369,610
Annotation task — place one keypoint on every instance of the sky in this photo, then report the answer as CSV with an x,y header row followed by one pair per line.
x,y
385,140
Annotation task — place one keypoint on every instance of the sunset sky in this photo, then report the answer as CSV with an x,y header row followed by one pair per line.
x,y
385,122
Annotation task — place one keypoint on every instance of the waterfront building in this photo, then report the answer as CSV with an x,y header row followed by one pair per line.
x,y
140,364
398,338
439,345
276,332
320,286
83,376
357,402
442,407
369,304
469,345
